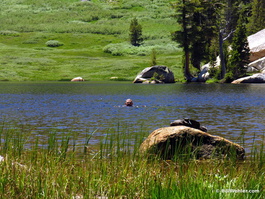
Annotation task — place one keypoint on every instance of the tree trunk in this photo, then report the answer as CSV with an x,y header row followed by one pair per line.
x,y
187,73
186,45
221,51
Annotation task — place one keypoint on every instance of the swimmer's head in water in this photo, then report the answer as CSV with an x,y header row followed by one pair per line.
x,y
129,102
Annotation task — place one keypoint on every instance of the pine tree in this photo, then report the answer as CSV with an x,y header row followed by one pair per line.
x,y
136,38
183,36
257,20
198,27
205,29
240,52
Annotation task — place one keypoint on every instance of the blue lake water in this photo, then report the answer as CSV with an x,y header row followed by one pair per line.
x,y
82,107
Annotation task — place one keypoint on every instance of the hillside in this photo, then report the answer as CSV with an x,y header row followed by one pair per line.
x,y
92,38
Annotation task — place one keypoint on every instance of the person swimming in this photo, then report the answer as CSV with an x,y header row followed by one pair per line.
x,y
128,102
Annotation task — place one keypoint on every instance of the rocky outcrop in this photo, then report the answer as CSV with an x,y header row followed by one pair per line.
x,y
257,45
77,79
257,56
256,66
155,74
256,78
204,73
182,141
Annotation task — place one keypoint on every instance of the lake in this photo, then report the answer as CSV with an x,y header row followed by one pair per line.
x,y
227,110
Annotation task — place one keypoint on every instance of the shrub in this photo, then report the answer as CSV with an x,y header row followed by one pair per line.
x,y
9,33
53,43
146,49
229,77
215,72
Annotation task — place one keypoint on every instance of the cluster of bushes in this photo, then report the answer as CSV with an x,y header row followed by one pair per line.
x,y
126,48
53,43
9,33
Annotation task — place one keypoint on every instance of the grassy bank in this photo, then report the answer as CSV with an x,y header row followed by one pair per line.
x,y
57,168
90,39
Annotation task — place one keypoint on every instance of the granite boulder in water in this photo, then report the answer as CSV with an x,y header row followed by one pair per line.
x,y
256,78
183,141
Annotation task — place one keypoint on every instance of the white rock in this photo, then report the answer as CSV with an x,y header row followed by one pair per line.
x,y
256,44
77,79
2,158
257,65
256,78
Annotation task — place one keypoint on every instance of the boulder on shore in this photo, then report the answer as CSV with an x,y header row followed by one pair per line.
x,y
257,45
171,142
77,79
256,78
257,65
155,74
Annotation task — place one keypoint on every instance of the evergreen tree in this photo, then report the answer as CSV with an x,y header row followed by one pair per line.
x,y
198,26
183,36
203,22
240,52
153,58
136,38
205,29
227,25
257,20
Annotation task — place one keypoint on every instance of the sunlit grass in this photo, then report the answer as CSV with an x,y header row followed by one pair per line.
x,y
58,167
81,56
85,29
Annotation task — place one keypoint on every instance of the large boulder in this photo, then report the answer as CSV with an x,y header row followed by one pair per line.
x,y
178,141
160,74
256,78
257,45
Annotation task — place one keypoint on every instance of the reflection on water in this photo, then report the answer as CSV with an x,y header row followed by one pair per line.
x,y
227,110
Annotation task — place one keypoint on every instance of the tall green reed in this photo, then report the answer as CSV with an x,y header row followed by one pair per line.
x,y
117,170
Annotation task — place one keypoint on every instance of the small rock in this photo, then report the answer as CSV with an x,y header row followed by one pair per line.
x,y
77,79
190,123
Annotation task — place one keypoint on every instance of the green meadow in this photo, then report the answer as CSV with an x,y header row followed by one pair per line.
x,y
57,40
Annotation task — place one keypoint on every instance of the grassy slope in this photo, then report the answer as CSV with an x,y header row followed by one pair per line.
x,y
85,29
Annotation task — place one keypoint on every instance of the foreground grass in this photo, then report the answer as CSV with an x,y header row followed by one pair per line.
x,y
115,169
93,37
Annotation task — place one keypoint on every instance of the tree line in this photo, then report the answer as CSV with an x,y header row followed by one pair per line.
x,y
208,29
